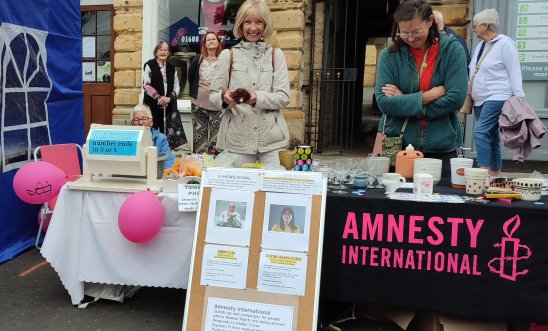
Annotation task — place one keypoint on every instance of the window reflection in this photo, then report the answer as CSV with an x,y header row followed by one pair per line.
x,y
189,20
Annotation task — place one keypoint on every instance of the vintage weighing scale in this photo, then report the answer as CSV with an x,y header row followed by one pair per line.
x,y
112,151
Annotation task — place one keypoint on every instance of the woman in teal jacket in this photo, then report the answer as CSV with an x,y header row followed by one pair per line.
x,y
422,78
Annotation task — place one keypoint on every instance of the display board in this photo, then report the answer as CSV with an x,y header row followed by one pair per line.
x,y
257,251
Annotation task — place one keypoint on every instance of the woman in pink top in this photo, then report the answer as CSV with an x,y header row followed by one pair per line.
x,y
205,119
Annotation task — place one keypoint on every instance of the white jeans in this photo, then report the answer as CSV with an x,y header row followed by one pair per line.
x,y
269,158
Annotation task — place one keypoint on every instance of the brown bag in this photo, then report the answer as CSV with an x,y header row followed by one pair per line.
x,y
468,105
468,102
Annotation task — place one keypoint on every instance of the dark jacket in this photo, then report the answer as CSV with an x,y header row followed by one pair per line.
x,y
443,132
461,40
157,81
194,75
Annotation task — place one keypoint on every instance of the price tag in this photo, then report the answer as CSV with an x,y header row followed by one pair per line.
x,y
188,197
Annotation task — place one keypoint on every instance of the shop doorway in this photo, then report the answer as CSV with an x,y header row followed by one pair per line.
x,y
97,64
342,108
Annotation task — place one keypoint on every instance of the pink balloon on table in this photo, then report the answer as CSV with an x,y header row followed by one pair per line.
x,y
45,225
141,217
38,182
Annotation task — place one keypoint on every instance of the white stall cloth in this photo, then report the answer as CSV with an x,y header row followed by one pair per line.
x,y
84,244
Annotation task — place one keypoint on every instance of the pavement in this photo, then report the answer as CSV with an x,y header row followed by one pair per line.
x,y
33,298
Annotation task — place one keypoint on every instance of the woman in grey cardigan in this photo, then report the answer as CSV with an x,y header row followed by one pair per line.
x,y
252,81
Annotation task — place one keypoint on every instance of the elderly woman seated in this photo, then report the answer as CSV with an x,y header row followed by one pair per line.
x,y
141,115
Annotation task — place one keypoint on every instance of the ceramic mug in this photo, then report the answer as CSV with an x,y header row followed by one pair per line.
x,y
286,159
423,183
458,164
392,181
476,179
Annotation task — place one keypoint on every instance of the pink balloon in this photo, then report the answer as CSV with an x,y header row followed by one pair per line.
x,y
38,182
46,220
141,217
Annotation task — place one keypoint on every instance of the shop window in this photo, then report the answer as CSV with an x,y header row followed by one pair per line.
x,y
183,23
96,46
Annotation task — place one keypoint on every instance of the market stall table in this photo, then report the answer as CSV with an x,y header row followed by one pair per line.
x,y
468,259
84,244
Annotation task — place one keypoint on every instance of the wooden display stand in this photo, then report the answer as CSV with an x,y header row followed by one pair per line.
x,y
303,307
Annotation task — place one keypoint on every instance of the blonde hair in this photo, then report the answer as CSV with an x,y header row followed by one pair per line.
x,y
257,8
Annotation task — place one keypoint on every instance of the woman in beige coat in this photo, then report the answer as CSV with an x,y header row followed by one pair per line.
x,y
253,126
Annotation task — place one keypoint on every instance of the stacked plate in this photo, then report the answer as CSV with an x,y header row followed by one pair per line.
x,y
429,166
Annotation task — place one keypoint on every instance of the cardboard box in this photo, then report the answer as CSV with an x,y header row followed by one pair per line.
x,y
538,327
411,320
454,324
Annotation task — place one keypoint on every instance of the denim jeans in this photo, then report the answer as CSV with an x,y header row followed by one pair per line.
x,y
486,135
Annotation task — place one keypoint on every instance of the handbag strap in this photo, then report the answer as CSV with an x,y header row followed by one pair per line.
x,y
402,128
478,66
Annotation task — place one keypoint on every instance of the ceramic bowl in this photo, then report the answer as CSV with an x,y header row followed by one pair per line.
x,y
530,188
429,166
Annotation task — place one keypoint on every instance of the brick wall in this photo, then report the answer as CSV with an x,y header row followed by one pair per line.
x,y
293,26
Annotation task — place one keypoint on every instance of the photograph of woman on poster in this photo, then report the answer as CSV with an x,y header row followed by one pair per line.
x,y
287,222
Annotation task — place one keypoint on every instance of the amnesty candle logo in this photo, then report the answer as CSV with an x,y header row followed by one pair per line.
x,y
511,251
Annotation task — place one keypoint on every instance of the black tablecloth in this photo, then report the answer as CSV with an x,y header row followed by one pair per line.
x,y
472,260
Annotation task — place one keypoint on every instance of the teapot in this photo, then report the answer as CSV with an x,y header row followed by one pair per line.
x,y
405,161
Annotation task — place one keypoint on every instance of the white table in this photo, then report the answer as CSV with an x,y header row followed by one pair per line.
x,y
84,244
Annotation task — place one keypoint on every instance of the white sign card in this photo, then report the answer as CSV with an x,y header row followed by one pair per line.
x,y
229,217
103,71
88,47
282,272
286,223
225,314
299,182
224,266
240,180
88,71
188,196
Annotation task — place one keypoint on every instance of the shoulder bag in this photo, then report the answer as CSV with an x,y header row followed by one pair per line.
x,y
468,102
389,146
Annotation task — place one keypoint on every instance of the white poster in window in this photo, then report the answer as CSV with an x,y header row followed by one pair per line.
x,y
88,47
286,223
103,71
88,71
225,314
282,272
224,266
229,218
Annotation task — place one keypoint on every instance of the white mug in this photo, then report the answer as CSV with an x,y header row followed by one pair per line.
x,y
392,181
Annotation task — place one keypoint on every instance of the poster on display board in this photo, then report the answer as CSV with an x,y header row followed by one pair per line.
x,y
532,39
263,282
